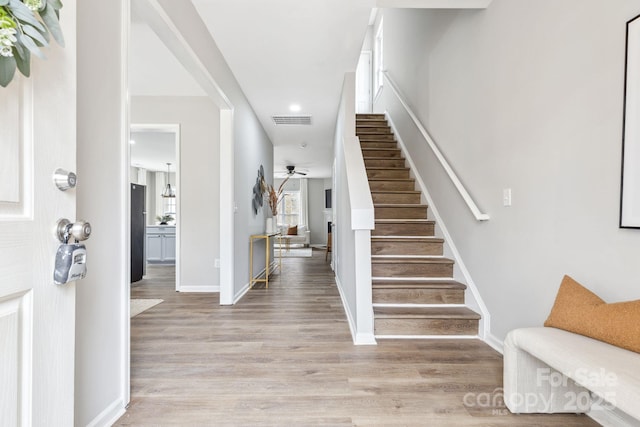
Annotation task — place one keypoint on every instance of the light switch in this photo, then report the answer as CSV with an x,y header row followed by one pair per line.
x,y
217,263
506,197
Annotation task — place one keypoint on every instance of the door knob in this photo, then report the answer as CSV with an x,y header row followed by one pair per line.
x,y
80,230
64,180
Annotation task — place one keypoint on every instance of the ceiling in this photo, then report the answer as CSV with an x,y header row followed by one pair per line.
x,y
281,52
153,150
291,52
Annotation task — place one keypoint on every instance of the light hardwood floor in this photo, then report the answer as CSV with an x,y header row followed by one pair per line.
x,y
284,357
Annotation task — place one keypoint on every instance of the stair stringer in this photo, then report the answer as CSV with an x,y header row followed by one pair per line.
x,y
473,299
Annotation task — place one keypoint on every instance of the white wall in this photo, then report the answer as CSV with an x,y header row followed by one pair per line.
x,y
528,96
198,195
102,194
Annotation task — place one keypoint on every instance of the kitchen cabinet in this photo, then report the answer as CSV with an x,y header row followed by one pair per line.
x,y
161,244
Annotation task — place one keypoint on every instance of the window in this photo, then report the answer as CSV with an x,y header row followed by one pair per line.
x,y
378,77
289,208
169,206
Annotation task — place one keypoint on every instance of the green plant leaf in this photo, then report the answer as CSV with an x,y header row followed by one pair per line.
x,y
23,61
50,18
35,34
56,4
31,45
24,14
7,70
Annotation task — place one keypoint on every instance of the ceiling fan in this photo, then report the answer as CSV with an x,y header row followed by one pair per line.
x,y
291,170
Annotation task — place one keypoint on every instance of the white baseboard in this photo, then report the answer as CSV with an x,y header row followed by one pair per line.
x,y
358,339
611,417
347,311
240,294
246,288
496,343
109,415
196,288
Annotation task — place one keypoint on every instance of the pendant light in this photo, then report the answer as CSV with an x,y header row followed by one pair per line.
x,y
168,191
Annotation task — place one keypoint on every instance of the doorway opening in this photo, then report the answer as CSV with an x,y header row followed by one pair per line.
x,y
155,198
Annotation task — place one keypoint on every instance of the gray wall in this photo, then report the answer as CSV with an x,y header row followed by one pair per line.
x,y
198,193
316,208
528,96
252,146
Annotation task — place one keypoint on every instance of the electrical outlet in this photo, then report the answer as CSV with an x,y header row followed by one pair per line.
x,y
217,263
506,197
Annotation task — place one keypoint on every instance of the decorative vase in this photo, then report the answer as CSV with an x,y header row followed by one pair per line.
x,y
270,228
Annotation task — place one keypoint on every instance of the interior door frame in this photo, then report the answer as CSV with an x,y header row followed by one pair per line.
x,y
173,128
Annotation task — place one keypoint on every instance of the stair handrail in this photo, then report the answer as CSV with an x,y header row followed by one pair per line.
x,y
436,151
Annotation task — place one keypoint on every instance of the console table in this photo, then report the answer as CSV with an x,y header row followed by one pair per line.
x,y
267,256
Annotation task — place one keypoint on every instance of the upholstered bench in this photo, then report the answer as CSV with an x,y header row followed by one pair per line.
x,y
549,370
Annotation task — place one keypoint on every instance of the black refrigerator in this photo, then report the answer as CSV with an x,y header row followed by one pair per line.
x,y
138,221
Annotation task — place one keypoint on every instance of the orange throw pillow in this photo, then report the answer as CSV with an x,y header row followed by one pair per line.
x,y
292,231
579,310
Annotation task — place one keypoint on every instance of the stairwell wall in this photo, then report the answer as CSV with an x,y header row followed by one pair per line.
x,y
353,221
526,96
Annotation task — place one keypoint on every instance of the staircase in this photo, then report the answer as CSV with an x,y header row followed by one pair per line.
x,y
414,293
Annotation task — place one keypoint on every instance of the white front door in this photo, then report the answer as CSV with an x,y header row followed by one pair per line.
x,y
37,317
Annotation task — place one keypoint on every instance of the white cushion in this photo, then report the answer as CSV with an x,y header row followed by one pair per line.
x,y
611,372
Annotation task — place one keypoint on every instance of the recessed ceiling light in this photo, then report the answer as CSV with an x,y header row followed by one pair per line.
x,y
295,108
131,141
303,145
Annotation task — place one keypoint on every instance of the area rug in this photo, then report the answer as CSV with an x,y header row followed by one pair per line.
x,y
294,252
139,305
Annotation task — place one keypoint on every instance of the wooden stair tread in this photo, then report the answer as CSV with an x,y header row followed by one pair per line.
x,y
418,284
403,221
409,259
380,158
395,192
421,239
360,116
392,180
425,313
399,205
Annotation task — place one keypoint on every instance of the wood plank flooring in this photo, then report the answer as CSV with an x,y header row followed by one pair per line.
x,y
284,357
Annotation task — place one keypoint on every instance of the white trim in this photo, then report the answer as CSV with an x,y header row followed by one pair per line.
x,y
358,339
227,208
409,279
436,151
110,414
117,408
241,294
421,305
408,256
428,337
485,321
611,417
197,289
496,343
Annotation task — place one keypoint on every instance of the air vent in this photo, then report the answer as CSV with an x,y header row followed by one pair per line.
x,y
292,120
